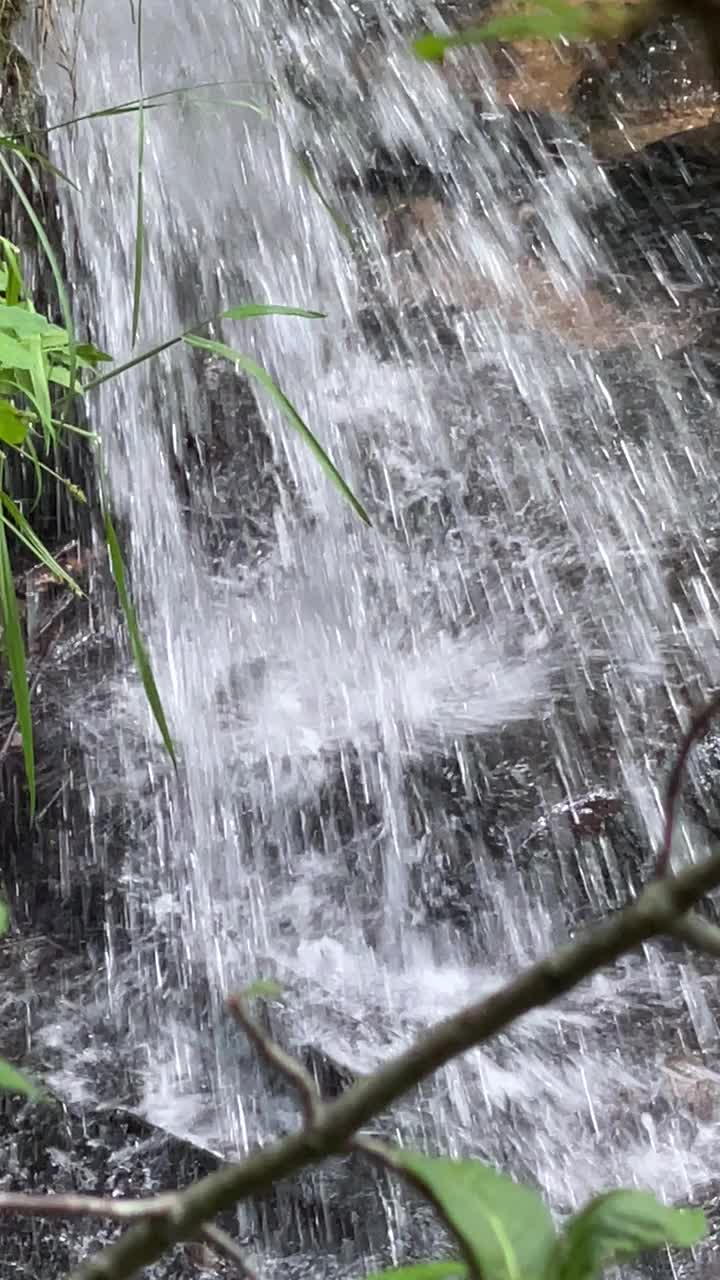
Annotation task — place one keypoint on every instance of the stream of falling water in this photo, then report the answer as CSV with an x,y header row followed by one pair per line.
x,y
346,702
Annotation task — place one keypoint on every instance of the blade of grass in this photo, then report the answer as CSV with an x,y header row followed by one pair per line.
x,y
288,410
247,311
136,642
140,194
305,166
14,647
22,530
54,267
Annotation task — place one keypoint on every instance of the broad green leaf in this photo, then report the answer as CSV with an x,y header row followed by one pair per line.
x,y
26,534
262,989
423,1271
136,642
616,1227
89,355
4,917
38,374
21,320
13,1081
14,354
13,428
261,375
49,254
15,655
59,374
505,1229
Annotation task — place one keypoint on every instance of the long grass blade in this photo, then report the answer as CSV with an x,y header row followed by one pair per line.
x,y
140,193
288,410
54,267
248,311
14,647
136,641
22,530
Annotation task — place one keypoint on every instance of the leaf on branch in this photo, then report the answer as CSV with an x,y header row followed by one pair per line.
x,y
13,1081
423,1271
505,1229
13,428
617,1227
555,20
262,989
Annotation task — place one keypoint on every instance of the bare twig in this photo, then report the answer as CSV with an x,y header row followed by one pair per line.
x,y
698,933
79,1206
654,912
697,727
293,1071
226,1247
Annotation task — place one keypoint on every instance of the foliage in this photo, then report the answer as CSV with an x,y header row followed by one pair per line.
x,y
554,20
506,1232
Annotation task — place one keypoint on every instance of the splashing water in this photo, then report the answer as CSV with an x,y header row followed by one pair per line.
x,y
412,757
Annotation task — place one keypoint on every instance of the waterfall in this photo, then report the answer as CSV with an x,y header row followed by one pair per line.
x,y
398,744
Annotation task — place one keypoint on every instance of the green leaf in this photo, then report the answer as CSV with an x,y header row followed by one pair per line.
x,y
26,534
245,312
21,319
38,375
89,355
505,1229
14,287
287,409
4,917
49,254
423,1271
618,1226
15,655
557,20
13,1081
136,642
14,354
250,309
262,989
13,428
59,374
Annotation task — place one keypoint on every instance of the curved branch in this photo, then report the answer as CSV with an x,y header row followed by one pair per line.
x,y
654,912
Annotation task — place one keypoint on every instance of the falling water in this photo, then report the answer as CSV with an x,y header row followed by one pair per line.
x,y
393,741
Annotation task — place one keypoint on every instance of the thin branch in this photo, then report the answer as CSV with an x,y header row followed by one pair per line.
x,y
225,1246
79,1206
292,1070
698,726
654,912
698,933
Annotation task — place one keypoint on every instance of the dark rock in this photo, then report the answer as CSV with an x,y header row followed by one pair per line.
x,y
650,74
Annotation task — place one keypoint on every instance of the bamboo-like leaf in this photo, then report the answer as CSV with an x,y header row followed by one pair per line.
x,y
136,641
14,1081
247,311
616,1227
14,647
288,410
38,375
52,261
555,20
26,534
4,917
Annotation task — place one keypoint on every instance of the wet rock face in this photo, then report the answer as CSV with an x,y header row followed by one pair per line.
x,y
655,73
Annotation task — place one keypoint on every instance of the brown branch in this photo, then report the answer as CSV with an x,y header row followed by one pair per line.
x,y
699,724
80,1206
226,1247
654,912
293,1071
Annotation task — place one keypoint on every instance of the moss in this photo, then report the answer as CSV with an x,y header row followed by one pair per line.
x,y
16,101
